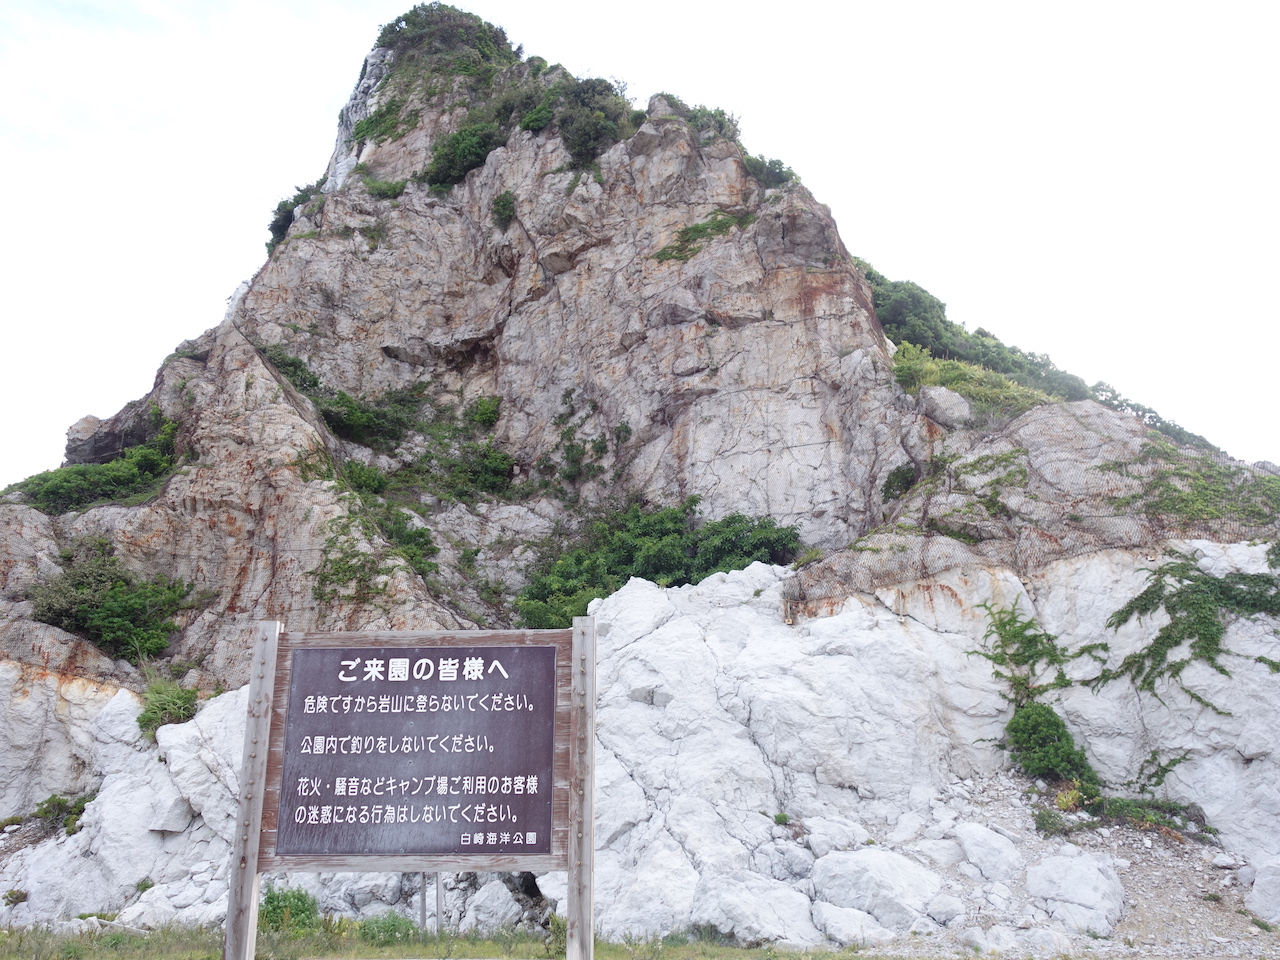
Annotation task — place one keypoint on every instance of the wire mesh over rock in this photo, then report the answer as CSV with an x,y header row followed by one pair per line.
x,y
1059,481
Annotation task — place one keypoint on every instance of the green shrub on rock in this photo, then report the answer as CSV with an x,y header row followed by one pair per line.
x,y
1043,747
97,598
504,209
138,471
165,702
457,154
282,217
770,172
665,545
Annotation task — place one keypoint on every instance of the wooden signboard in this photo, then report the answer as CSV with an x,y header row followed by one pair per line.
x,y
416,751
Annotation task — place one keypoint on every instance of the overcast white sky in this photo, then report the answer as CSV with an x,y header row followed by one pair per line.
x,y
1095,181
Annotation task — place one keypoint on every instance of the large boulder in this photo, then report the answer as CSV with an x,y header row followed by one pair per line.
x,y
1264,898
753,909
849,927
1083,892
995,856
887,885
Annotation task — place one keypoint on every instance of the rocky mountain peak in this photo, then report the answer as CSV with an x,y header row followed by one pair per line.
x,y
513,297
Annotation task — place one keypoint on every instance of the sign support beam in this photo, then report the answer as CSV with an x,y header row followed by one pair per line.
x,y
582,740
294,691
242,898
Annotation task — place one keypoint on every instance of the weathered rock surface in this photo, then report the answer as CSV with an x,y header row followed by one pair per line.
x,y
714,716
887,885
1082,893
995,856
1264,898
944,407
752,373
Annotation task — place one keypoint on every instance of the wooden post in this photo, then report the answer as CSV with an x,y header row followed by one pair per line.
x,y
242,898
582,739
439,904
422,905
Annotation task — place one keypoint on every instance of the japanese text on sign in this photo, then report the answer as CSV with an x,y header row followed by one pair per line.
x,y
380,742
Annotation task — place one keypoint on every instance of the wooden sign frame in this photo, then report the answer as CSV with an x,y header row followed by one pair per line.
x,y
572,845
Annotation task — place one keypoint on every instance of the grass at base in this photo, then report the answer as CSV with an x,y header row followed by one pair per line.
x,y
187,943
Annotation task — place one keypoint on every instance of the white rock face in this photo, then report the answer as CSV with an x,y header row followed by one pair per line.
x,y
1264,898
995,856
886,885
848,927
714,717
492,908
754,909
1083,892
945,908
46,744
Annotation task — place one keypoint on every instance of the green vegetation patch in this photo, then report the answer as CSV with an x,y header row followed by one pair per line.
x,y
981,481
63,813
438,28
991,394
98,599
592,117
459,463
900,480
295,369
388,929
454,467
504,209
138,473
164,701
457,154
689,239
436,44
282,218
411,541
381,423
664,545
288,910
575,459
384,189
350,568
1199,606
911,315
1197,488
713,122
1042,746
1020,652
770,172
335,936
710,120
390,121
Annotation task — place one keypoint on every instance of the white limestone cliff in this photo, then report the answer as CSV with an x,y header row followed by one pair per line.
x,y
714,717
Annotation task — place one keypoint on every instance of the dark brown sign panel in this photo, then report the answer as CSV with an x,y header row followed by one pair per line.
x,y
418,751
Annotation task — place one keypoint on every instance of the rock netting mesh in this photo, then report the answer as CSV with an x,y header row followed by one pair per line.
x,y
1057,482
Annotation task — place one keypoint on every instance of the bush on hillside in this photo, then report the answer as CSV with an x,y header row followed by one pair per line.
x,y
139,470
666,546
97,598
1042,746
